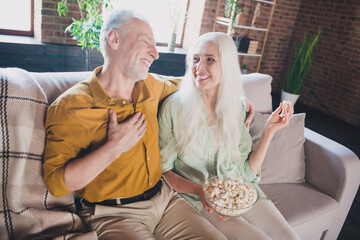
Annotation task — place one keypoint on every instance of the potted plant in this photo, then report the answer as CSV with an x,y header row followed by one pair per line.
x,y
86,30
233,11
244,69
300,68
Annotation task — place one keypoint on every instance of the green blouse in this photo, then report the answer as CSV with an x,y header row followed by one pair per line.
x,y
200,165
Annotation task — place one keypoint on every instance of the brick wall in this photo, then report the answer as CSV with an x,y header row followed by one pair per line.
x,y
277,53
333,83
208,16
49,27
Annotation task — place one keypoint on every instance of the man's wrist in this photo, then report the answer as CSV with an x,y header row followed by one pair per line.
x,y
112,150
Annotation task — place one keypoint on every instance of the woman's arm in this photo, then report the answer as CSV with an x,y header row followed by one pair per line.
x,y
250,111
183,185
275,122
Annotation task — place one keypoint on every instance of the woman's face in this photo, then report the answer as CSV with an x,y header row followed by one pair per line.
x,y
206,66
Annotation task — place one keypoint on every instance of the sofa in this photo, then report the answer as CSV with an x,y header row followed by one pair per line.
x,y
311,179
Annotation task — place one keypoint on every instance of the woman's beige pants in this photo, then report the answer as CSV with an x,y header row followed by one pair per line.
x,y
263,221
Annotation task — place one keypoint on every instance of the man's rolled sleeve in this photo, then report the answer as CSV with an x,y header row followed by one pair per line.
x,y
64,140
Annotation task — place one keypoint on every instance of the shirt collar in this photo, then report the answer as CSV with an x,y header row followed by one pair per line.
x,y
100,95
98,92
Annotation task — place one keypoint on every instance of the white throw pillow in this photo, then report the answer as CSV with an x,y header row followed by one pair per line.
x,y
285,159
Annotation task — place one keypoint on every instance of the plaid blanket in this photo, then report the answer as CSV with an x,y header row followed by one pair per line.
x,y
27,209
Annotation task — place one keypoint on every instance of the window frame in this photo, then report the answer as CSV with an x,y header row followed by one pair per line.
x,y
179,45
22,33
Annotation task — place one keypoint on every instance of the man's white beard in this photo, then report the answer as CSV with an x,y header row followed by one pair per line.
x,y
136,75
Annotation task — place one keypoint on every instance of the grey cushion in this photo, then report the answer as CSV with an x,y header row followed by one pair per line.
x,y
257,88
300,202
285,160
55,83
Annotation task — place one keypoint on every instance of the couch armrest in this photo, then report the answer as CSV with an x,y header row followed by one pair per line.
x,y
330,166
334,170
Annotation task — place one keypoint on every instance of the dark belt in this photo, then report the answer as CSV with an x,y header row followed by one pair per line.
x,y
120,201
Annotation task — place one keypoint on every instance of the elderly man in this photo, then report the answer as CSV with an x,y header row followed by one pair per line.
x,y
102,143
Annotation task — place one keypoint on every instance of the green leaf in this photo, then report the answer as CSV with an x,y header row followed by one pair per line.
x,y
62,8
302,63
86,31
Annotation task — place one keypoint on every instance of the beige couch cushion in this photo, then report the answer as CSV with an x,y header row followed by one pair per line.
x,y
55,83
285,159
257,88
304,207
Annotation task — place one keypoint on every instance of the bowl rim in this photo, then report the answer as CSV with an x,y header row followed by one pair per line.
x,y
223,177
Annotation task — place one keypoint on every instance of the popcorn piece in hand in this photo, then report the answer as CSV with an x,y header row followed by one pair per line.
x,y
285,106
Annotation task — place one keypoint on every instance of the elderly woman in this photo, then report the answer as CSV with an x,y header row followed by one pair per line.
x,y
202,134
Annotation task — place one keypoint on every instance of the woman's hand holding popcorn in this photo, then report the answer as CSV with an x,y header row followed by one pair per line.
x,y
280,118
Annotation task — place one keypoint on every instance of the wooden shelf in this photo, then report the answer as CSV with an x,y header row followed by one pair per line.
x,y
265,1
228,23
225,22
223,19
249,54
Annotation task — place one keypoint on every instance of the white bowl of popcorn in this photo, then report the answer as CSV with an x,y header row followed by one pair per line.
x,y
229,197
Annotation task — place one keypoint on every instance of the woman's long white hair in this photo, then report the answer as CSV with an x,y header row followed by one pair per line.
x,y
193,119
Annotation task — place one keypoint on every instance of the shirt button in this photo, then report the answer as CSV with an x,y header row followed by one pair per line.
x,y
148,158
111,99
123,102
150,183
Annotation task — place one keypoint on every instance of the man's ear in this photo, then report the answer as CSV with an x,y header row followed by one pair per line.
x,y
113,39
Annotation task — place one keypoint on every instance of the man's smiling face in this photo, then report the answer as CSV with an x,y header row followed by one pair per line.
x,y
137,50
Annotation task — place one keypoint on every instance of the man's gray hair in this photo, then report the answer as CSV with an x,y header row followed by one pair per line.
x,y
118,20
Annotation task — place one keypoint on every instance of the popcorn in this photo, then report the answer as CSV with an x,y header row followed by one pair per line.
x,y
229,197
285,106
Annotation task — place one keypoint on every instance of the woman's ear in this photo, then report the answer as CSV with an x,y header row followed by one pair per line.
x,y
113,39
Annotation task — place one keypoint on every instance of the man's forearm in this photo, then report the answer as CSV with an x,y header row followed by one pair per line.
x,y
81,171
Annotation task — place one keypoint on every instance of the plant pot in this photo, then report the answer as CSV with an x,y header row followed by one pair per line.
x,y
289,97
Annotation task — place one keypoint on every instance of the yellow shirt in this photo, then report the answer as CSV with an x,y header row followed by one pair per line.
x,y
77,123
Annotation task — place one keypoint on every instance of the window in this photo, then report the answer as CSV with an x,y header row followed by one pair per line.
x,y
16,17
157,13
